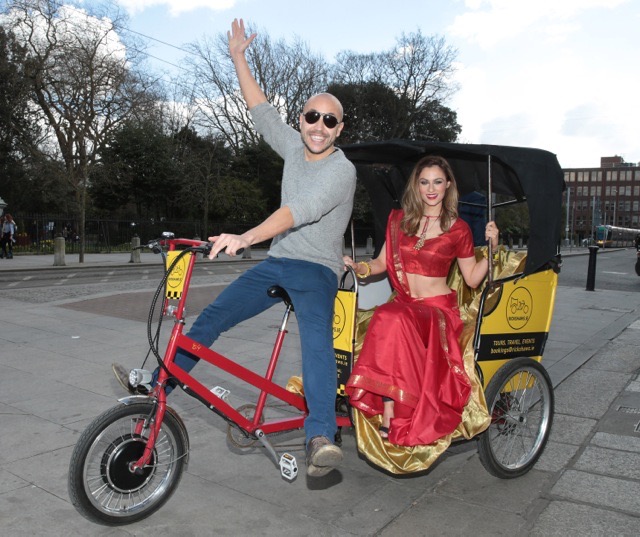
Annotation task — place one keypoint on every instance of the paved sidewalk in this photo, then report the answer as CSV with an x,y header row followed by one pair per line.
x,y
55,378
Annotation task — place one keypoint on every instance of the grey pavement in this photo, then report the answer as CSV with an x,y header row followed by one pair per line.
x,y
55,378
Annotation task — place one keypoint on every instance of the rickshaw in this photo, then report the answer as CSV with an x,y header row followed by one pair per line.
x,y
130,459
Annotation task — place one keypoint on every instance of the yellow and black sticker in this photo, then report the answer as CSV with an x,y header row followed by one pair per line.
x,y
343,332
175,281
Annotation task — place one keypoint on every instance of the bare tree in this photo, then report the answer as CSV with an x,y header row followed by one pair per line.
x,y
81,80
418,69
288,74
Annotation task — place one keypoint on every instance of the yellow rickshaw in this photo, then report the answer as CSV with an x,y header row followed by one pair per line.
x,y
507,320
129,460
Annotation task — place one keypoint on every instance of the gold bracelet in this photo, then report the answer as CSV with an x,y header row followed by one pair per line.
x,y
496,254
367,273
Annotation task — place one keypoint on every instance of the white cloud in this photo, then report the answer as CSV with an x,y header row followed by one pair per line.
x,y
540,82
489,22
69,25
176,7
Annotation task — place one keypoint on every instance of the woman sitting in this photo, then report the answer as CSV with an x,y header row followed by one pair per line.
x,y
410,369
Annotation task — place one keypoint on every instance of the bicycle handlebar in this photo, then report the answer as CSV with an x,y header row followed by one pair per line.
x,y
193,245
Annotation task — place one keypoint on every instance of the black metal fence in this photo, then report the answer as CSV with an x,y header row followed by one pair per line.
x,y
36,232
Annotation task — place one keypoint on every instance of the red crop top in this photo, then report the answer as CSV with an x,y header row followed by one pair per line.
x,y
435,257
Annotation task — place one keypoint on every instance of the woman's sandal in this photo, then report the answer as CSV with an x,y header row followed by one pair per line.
x,y
384,431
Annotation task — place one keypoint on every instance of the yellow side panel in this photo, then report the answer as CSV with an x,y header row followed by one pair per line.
x,y
344,316
517,321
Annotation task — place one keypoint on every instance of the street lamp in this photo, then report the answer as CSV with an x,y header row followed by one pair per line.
x,y
614,191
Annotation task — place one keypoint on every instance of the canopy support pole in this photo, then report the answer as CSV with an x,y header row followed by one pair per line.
x,y
490,217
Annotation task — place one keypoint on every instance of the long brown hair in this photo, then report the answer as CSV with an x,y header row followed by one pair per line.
x,y
412,203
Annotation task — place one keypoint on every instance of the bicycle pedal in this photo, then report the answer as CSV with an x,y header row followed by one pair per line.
x,y
288,466
221,392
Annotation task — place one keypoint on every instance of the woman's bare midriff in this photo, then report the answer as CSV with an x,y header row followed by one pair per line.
x,y
427,286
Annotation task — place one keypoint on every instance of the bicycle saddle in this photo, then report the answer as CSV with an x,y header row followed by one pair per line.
x,y
275,291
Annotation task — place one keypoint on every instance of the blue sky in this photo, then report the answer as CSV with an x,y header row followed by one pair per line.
x,y
560,75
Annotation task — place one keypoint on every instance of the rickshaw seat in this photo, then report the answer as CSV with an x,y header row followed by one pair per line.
x,y
475,417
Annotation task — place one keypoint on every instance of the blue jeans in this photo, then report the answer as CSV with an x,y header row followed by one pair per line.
x,y
312,288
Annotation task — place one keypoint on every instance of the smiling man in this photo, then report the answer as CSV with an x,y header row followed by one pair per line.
x,y
305,258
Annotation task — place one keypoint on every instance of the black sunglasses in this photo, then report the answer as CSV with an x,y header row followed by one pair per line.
x,y
330,121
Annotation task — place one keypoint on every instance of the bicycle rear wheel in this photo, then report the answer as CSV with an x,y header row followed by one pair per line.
x,y
520,401
101,485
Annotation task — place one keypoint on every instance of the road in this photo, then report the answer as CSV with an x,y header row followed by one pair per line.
x,y
46,285
615,271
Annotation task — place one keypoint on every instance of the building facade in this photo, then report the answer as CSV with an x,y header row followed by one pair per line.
x,y
609,194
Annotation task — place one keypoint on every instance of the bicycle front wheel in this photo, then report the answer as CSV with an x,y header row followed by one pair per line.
x,y
102,486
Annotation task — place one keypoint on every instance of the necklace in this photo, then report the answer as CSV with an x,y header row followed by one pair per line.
x,y
423,235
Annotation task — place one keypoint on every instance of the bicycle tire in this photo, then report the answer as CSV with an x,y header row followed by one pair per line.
x,y
101,486
520,400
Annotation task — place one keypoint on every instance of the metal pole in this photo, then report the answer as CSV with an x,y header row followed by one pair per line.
x,y
353,241
490,218
591,271
593,218
566,229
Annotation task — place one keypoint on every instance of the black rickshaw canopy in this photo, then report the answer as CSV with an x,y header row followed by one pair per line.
x,y
518,173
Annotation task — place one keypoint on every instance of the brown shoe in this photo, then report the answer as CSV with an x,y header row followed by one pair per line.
x,y
322,456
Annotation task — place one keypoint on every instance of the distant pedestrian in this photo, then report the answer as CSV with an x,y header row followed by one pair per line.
x,y
8,237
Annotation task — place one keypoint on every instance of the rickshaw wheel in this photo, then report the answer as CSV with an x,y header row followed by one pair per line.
x,y
520,401
102,486
239,438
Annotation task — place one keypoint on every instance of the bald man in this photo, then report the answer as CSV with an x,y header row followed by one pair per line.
x,y
305,257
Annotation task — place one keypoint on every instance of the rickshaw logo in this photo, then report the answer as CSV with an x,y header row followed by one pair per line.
x,y
519,308
175,280
177,274
339,318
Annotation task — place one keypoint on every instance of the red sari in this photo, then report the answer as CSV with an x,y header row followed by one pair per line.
x,y
411,352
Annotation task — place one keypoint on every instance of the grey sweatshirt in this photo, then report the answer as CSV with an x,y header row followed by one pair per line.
x,y
318,193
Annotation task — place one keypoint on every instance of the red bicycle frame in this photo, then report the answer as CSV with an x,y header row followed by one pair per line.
x,y
256,426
